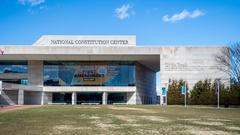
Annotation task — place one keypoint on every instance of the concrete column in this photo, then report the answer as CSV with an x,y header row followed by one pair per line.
x,y
74,98
104,98
20,97
42,98
131,98
35,73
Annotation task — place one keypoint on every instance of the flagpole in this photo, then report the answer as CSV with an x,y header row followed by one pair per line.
x,y
166,93
218,92
185,94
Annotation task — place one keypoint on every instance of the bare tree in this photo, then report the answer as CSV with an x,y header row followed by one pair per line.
x,y
230,57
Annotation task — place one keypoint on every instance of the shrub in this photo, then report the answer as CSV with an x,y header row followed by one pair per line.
x,y
203,93
174,93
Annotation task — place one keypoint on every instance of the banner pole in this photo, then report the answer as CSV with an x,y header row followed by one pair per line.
x,y
185,94
218,94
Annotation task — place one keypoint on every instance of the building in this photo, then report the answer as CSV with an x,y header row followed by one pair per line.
x,y
99,69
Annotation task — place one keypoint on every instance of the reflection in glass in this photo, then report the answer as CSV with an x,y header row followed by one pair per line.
x,y
16,81
13,66
89,73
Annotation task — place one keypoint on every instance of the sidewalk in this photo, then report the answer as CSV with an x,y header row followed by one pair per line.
x,y
9,108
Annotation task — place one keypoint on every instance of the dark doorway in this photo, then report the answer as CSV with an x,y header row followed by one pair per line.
x,y
117,98
89,97
62,98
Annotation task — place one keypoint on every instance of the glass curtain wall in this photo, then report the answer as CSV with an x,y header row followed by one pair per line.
x,y
89,73
13,66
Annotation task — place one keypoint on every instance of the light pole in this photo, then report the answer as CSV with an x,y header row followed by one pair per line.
x,y
218,92
184,91
185,94
166,92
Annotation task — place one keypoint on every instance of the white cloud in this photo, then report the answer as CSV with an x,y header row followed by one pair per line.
x,y
183,15
197,13
31,2
124,12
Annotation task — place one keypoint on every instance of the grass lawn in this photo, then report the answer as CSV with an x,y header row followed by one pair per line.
x,y
116,120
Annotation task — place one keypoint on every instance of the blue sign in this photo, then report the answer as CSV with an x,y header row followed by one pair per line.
x,y
183,89
164,93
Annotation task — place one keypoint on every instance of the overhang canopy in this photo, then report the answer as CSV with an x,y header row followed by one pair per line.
x,y
143,55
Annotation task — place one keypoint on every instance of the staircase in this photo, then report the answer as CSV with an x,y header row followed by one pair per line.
x,y
6,98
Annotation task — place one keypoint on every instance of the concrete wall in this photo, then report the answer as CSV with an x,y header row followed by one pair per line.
x,y
12,94
31,97
35,73
131,98
190,64
146,85
13,76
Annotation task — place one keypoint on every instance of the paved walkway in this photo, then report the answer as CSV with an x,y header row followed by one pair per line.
x,y
9,108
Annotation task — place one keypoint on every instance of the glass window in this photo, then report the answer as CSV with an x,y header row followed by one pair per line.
x,y
89,73
13,66
16,81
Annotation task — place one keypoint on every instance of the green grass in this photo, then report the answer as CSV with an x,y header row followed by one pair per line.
x,y
114,120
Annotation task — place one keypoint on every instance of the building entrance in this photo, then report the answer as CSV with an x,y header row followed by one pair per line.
x,y
62,97
89,97
117,98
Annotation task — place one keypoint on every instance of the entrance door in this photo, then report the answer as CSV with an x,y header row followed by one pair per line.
x,y
89,97
117,98
62,97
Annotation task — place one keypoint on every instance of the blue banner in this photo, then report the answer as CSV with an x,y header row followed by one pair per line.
x,y
183,89
164,93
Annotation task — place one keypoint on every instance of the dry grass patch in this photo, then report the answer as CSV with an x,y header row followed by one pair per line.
x,y
194,130
127,118
60,129
208,123
148,132
221,120
88,107
133,125
69,127
190,119
208,132
131,109
135,118
154,118
233,128
94,117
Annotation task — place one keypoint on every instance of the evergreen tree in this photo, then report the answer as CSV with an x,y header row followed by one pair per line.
x,y
174,93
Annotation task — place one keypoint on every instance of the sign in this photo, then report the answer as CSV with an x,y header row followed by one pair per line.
x,y
90,75
184,89
52,40
164,92
89,42
217,86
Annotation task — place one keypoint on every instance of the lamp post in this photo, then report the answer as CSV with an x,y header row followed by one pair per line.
x,y
185,95
184,91
218,92
166,91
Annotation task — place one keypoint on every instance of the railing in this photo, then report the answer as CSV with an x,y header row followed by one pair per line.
x,y
6,98
12,86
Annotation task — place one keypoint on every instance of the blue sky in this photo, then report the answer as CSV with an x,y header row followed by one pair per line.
x,y
216,22
154,22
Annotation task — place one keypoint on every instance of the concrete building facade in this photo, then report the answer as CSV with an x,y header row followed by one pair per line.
x,y
99,70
